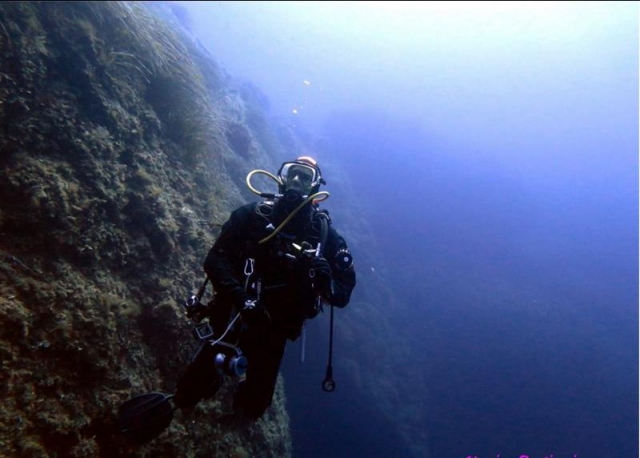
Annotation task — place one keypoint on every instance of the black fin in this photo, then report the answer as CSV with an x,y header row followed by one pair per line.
x,y
145,416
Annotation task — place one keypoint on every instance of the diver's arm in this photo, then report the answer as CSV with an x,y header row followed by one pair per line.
x,y
219,264
344,276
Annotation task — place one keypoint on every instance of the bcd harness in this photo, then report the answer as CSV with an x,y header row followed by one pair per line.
x,y
323,218
283,253
197,311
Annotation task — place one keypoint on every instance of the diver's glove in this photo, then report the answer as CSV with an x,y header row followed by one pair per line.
x,y
320,274
254,315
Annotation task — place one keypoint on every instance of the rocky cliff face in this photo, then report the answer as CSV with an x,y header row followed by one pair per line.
x,y
122,147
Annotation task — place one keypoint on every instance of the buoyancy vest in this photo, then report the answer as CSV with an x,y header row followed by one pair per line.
x,y
277,272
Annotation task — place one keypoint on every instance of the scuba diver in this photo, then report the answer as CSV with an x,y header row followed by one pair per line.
x,y
273,266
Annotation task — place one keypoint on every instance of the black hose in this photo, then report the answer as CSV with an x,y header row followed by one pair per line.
x,y
328,384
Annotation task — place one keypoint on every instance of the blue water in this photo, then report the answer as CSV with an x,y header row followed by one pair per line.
x,y
491,150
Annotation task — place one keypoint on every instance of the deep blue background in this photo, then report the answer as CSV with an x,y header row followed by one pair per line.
x,y
492,149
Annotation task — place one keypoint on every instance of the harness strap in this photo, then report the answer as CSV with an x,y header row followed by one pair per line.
x,y
324,231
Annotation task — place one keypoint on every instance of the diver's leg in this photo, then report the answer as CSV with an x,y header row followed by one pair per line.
x,y
264,353
200,380
219,315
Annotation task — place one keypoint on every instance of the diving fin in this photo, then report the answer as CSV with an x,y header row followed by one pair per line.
x,y
145,416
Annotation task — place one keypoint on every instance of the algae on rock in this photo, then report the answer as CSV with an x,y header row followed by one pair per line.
x,y
117,172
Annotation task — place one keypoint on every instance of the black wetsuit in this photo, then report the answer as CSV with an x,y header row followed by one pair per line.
x,y
279,275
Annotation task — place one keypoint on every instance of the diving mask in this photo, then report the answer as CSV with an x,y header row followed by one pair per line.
x,y
299,177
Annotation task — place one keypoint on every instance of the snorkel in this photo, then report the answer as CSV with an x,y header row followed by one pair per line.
x,y
315,198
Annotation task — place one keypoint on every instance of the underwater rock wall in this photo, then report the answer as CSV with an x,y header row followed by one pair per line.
x,y
122,145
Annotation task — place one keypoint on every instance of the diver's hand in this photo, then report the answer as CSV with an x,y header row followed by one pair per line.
x,y
320,274
254,315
